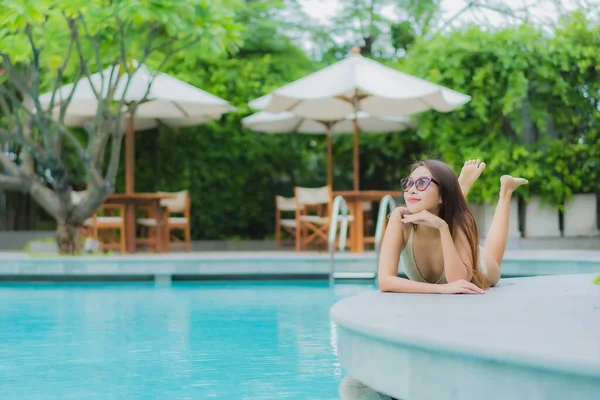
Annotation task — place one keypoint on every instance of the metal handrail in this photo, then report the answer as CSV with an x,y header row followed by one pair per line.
x,y
386,206
339,209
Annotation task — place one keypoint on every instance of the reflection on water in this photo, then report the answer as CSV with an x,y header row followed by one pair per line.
x,y
191,340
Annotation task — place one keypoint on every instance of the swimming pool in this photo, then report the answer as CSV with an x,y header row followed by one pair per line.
x,y
224,340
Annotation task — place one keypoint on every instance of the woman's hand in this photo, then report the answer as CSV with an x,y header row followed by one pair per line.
x,y
398,214
424,218
461,286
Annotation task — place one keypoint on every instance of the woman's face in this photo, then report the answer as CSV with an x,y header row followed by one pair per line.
x,y
421,191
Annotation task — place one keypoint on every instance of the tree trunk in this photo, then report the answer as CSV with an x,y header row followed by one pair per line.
x,y
68,238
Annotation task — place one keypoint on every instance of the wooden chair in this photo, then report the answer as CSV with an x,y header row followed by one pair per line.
x,y
107,226
284,204
177,218
312,228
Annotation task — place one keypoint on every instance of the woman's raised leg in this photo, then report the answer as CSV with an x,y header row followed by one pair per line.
x,y
495,241
469,173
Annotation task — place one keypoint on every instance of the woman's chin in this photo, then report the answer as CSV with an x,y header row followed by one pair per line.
x,y
414,208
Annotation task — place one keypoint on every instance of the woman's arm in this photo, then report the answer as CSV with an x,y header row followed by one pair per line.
x,y
456,260
458,263
393,242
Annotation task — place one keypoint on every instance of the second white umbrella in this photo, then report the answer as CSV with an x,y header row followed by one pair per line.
x,y
288,122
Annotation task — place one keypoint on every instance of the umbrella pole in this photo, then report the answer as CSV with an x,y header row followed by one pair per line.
x,y
356,161
130,156
329,158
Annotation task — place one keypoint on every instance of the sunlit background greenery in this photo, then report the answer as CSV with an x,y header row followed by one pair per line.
x,y
534,112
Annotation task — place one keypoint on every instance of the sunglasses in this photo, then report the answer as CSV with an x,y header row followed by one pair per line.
x,y
420,183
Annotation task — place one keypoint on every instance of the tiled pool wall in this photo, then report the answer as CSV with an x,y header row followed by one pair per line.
x,y
235,268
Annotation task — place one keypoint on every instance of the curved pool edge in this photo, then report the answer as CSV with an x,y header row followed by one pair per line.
x,y
409,361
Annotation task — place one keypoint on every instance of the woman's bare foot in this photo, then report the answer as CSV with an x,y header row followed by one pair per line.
x,y
469,173
509,183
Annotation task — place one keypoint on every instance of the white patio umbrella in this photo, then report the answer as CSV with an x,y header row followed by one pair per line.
x,y
359,84
170,102
287,122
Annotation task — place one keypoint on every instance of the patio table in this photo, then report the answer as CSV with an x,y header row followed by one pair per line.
x,y
131,202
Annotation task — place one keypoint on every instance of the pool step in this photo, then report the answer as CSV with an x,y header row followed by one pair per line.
x,y
354,275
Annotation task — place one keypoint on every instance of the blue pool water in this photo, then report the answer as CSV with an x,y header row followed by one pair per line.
x,y
188,341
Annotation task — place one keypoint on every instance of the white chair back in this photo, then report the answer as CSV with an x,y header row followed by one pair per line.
x,y
312,196
177,203
285,203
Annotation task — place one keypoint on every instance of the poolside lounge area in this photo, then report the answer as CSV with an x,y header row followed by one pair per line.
x,y
218,200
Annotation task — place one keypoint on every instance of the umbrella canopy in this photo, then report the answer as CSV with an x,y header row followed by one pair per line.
x,y
169,101
359,84
288,122
144,123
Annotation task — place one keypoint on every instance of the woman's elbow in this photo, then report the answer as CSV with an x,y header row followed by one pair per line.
x,y
383,283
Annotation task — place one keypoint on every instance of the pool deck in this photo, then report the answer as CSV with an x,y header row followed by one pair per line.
x,y
527,338
258,264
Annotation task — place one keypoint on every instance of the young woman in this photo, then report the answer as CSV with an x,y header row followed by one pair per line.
x,y
434,239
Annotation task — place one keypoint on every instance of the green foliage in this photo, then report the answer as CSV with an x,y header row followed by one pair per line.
x,y
403,35
533,110
569,168
269,25
166,23
597,280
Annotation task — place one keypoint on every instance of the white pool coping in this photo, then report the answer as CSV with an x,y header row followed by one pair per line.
x,y
510,254
527,338
267,264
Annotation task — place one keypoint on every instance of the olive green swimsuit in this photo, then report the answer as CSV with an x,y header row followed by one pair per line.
x,y
409,266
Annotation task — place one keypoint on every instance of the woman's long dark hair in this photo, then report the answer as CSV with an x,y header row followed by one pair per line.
x,y
455,211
